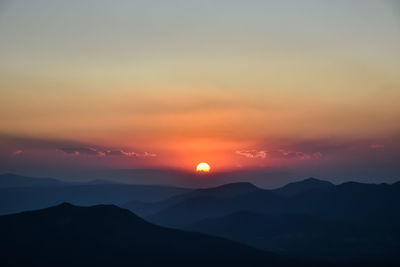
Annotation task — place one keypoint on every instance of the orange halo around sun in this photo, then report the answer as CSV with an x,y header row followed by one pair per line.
x,y
203,167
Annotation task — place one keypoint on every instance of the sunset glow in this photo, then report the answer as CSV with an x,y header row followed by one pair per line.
x,y
260,85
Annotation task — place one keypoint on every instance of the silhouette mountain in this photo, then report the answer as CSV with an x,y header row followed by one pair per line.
x,y
16,199
68,235
101,181
374,204
227,190
307,218
184,210
13,180
224,191
306,236
304,186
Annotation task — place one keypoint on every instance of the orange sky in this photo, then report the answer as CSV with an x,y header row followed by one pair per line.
x,y
246,85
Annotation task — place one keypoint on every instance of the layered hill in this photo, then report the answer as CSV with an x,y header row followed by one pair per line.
x,y
68,235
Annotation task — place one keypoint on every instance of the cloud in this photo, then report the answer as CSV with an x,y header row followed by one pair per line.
x,y
148,154
79,151
127,153
90,151
279,153
114,153
288,154
16,145
252,153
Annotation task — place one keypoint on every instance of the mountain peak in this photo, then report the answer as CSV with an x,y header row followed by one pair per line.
x,y
237,185
311,179
295,188
314,180
65,204
106,213
228,190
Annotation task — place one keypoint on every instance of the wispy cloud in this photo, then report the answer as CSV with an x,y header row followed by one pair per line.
x,y
79,150
282,153
252,153
126,153
91,151
279,153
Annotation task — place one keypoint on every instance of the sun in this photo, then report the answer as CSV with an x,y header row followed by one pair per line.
x,y
203,167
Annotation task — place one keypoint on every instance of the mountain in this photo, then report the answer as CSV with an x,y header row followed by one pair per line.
x,y
172,177
13,180
101,181
373,204
308,218
16,199
184,210
303,235
103,235
350,221
224,191
304,186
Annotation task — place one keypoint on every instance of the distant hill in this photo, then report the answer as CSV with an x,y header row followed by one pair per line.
x,y
16,199
181,211
304,186
13,180
226,190
350,220
374,204
306,236
67,235
356,219
223,191
101,181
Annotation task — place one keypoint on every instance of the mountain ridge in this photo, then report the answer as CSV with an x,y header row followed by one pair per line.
x,y
14,180
303,186
106,235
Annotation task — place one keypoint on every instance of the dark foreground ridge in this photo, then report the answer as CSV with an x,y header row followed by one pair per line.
x,y
105,235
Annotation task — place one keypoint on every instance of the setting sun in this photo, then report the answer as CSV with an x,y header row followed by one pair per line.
x,y
203,167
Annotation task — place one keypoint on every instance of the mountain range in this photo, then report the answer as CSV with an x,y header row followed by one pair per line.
x,y
346,222
29,193
105,235
352,223
12,180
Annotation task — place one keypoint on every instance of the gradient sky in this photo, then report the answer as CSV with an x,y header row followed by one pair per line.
x,y
300,85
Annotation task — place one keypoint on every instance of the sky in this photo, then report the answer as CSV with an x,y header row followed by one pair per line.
x,y
310,87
